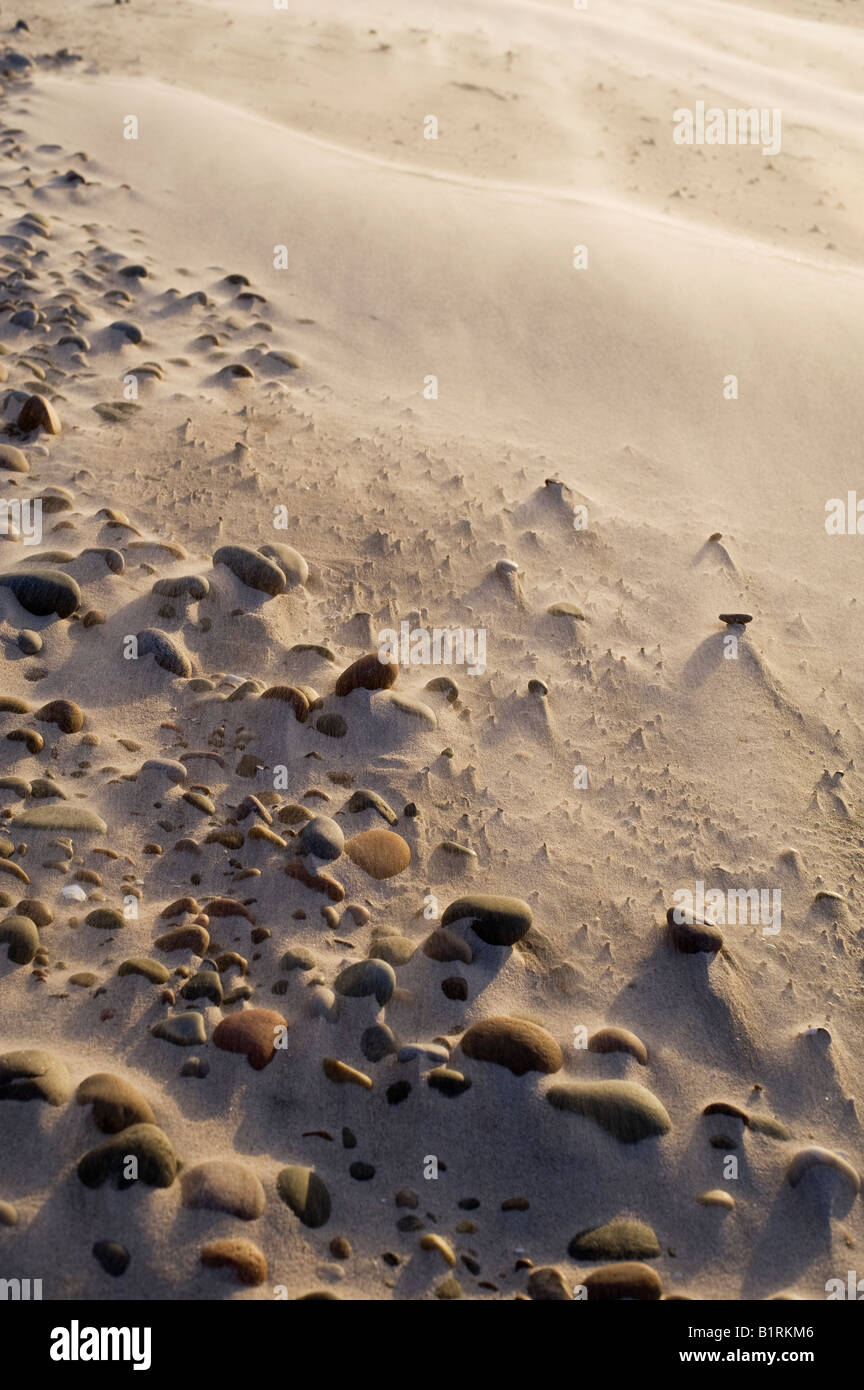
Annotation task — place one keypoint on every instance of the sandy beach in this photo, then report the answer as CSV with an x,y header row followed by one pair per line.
x,y
443,389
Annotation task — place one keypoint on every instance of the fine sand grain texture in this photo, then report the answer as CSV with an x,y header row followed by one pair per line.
x,y
394,375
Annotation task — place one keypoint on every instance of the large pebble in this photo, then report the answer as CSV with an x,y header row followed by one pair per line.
x,y
497,921
34,1075
513,1043
366,978
245,1259
369,673
164,651
630,1280
695,937
116,1103
183,1030
622,1108
254,570
22,937
60,816
321,837
157,1161
623,1239
380,853
223,1185
290,562
253,1032
43,592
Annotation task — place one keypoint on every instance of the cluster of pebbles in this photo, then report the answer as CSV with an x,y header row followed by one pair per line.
x,y
214,904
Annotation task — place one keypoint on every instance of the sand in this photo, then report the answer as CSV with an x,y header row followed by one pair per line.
x,y
550,379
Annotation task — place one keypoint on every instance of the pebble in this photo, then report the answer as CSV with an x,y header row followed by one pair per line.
x,y
221,1184
22,938
380,853
115,1103
183,1030
622,1239
513,1043
164,651
369,673
630,1280
62,816
34,1075
363,800
252,568
547,1284
289,695
448,1081
189,938
8,1214
245,1259
321,837
342,1074
497,921
303,1191
439,1246
366,978
29,642
395,950
622,1108
619,1040
290,562
331,725
252,1032
443,945
37,413
105,919
377,1042
157,1161
113,1258
693,938
152,970
13,460
815,1167
44,592
716,1198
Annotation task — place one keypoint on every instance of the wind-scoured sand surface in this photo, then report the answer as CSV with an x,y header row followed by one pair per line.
x,y
286,374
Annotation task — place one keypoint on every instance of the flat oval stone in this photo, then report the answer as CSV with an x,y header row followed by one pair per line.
x,y
152,970
116,1103
622,1108
622,1239
363,800
157,1161
369,673
189,938
289,695
322,837
252,1032
380,853
630,1280
43,592
22,937
105,919
618,1040
342,1075
113,1258
223,1185
396,950
253,569
165,652
513,1043
303,1191
60,816
366,978
497,921
34,1075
